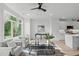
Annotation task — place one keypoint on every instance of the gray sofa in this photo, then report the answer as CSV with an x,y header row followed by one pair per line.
x,y
16,50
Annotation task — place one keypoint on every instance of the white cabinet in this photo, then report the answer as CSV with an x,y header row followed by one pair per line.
x,y
76,42
69,40
72,41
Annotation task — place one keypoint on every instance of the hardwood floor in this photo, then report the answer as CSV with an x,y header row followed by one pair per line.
x,y
65,49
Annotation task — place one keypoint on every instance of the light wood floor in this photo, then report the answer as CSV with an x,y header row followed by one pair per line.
x,y
65,49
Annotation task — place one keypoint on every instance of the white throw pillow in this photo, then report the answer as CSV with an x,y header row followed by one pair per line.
x,y
11,44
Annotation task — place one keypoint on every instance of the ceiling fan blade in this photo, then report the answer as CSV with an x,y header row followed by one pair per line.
x,y
34,8
39,7
43,9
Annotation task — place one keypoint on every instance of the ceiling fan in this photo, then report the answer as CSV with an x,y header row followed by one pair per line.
x,y
40,7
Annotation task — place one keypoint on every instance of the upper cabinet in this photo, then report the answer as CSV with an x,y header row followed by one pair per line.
x,y
68,19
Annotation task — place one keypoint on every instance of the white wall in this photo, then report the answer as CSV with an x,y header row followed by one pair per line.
x,y
1,22
42,20
26,26
55,28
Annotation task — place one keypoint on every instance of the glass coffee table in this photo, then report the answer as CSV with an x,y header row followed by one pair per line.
x,y
41,49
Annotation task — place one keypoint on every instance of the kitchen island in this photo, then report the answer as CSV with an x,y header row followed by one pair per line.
x,y
71,38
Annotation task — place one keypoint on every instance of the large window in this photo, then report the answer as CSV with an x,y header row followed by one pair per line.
x,y
12,27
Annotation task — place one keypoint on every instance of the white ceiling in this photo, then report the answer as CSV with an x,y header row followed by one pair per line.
x,y
55,9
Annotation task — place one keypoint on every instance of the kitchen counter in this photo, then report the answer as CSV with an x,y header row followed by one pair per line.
x,y
71,31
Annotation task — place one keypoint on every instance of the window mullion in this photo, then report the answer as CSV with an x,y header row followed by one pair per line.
x,y
11,29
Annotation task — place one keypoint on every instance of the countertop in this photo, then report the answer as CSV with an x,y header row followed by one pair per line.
x,y
74,32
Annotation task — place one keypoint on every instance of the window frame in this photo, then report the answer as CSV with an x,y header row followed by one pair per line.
x,y
6,18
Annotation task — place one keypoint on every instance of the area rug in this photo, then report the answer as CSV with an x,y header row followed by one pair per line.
x,y
50,53
44,53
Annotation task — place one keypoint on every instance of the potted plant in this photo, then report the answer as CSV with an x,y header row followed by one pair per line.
x,y
49,37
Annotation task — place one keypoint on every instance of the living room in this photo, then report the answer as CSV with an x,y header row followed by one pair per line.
x,y
25,23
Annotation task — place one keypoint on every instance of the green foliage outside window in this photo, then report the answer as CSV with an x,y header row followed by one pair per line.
x,y
12,30
12,18
7,29
17,30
